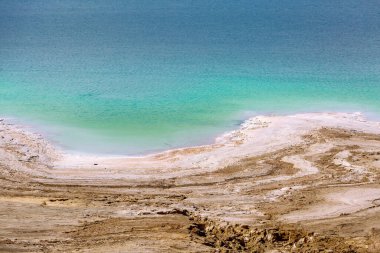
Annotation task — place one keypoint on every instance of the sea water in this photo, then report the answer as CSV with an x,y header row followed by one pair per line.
x,y
134,77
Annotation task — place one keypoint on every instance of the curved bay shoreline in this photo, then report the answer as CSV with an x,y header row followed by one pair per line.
x,y
299,183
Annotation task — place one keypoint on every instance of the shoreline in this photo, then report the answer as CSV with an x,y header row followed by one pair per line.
x,y
255,136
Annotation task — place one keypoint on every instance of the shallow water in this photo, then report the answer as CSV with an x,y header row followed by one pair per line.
x,y
132,77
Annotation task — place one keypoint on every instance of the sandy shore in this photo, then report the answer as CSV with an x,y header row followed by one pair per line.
x,y
299,183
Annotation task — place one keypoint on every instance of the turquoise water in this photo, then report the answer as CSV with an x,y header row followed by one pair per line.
x,y
132,77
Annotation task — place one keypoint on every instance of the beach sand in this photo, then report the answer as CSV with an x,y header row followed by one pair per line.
x,y
297,183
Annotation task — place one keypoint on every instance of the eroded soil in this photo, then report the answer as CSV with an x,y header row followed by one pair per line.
x,y
319,196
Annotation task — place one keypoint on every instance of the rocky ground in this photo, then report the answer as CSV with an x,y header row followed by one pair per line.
x,y
319,194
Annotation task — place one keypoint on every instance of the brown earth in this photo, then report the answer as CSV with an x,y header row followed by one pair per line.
x,y
320,196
